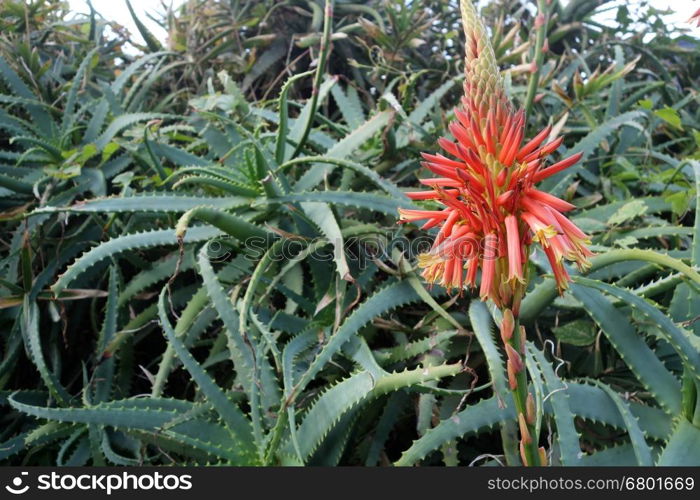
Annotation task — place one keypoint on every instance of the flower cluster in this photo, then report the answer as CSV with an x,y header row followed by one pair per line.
x,y
490,210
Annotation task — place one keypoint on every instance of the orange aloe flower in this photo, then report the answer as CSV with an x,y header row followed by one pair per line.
x,y
490,210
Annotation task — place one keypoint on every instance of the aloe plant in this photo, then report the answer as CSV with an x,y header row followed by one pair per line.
x,y
206,268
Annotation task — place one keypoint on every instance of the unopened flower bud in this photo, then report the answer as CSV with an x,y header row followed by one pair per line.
x,y
523,457
530,409
545,46
501,178
512,379
524,431
543,455
506,292
514,358
507,325
539,20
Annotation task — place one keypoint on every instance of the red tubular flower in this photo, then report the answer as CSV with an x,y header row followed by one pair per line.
x,y
490,209
515,249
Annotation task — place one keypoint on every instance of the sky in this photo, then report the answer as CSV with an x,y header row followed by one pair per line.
x,y
115,10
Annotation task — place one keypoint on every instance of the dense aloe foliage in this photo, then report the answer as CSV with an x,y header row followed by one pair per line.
x,y
200,260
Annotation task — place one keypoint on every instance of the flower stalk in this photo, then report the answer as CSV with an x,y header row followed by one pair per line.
x,y
541,45
514,336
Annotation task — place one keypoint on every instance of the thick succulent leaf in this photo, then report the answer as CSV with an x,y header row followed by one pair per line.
x,y
568,447
634,351
683,447
674,335
232,416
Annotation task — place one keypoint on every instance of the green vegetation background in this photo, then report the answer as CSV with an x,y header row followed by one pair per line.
x,y
138,325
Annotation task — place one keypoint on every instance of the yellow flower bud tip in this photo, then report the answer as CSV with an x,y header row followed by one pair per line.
x,y
543,455
480,60
524,431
